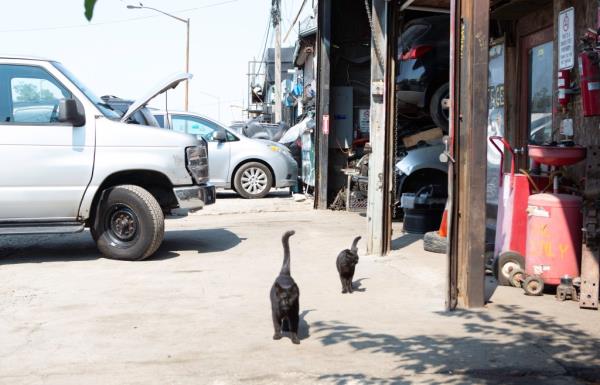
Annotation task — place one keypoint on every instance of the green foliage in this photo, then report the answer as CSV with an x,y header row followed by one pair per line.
x,y
28,92
89,8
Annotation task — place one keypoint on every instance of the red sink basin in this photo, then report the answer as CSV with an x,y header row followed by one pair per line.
x,y
557,156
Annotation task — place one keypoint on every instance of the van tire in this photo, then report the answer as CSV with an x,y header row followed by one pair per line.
x,y
130,224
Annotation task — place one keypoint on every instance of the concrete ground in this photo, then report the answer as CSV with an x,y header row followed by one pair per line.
x,y
198,312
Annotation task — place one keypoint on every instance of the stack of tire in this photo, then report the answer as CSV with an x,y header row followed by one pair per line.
x,y
422,211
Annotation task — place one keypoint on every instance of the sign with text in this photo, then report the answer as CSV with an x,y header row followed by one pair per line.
x,y
566,39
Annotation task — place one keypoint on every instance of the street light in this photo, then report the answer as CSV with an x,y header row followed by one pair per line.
x,y
187,44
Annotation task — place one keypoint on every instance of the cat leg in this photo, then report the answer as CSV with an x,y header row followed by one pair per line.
x,y
344,290
294,320
350,288
276,326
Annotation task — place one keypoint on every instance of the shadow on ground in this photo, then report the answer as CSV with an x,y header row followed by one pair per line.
x,y
230,194
515,347
81,247
405,240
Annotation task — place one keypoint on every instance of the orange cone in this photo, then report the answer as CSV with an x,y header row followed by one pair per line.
x,y
443,231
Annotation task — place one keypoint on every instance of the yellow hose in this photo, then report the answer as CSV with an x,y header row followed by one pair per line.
x,y
535,186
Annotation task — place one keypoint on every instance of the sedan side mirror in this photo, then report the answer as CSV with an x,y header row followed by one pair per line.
x,y
219,136
71,111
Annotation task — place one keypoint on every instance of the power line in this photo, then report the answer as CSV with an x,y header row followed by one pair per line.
x,y
264,50
114,21
295,20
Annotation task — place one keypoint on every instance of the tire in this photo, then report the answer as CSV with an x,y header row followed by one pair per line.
x,y
253,180
533,285
516,278
130,224
505,264
421,221
439,114
434,243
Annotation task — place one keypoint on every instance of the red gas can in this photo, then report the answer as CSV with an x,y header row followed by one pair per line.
x,y
553,236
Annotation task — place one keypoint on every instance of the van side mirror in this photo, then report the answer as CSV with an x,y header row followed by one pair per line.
x,y
219,136
71,111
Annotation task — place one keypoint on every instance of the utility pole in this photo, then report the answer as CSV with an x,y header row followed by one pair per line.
x,y
276,17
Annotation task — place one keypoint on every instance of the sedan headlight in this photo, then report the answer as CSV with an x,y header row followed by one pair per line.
x,y
275,147
197,162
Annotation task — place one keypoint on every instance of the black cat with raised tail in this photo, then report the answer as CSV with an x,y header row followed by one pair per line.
x,y
346,264
285,296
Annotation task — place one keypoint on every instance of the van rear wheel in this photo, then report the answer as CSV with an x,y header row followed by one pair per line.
x,y
129,224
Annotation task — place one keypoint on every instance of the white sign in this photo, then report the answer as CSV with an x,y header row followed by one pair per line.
x,y
566,39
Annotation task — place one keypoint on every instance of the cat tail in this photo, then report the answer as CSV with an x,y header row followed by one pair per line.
x,y
354,243
285,269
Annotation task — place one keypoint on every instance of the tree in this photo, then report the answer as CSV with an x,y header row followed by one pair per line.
x,y
26,92
89,8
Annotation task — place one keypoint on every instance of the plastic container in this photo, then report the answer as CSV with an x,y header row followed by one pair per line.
x,y
553,237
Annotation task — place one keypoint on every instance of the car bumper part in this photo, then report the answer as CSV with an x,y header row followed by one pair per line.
x,y
286,174
195,197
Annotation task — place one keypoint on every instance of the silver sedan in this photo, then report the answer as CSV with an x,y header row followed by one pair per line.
x,y
251,167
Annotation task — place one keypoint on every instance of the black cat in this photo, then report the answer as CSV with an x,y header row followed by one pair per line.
x,y
346,263
285,296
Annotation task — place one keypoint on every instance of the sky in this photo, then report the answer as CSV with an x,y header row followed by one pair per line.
x,y
125,52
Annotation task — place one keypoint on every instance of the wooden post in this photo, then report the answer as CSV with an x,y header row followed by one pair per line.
x,y
377,176
471,142
453,194
323,90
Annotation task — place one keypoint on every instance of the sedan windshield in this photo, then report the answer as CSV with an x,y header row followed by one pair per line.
x,y
106,110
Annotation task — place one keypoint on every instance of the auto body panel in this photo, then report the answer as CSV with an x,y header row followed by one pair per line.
x,y
168,83
53,161
422,158
125,147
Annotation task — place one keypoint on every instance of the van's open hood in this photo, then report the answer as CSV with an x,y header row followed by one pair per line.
x,y
170,82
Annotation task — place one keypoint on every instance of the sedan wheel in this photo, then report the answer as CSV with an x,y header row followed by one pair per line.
x,y
253,180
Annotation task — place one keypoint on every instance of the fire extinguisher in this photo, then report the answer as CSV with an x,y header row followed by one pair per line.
x,y
564,87
589,68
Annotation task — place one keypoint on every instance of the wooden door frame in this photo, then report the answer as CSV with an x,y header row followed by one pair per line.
x,y
527,42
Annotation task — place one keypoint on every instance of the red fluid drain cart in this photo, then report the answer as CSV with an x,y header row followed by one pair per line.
x,y
511,221
554,225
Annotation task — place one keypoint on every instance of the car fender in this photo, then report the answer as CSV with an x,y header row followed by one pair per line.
x,y
422,158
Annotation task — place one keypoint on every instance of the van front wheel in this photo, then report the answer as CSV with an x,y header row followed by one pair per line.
x,y
129,225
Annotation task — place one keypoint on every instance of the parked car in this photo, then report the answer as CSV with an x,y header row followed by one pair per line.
x,y
423,69
251,167
79,165
420,169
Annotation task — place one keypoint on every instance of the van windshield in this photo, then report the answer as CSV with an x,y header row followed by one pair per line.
x,y
106,110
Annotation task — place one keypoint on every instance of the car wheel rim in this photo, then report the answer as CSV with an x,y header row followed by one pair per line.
x,y
254,180
508,268
122,224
